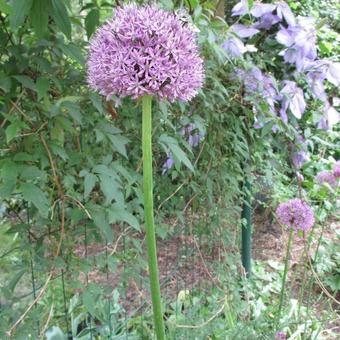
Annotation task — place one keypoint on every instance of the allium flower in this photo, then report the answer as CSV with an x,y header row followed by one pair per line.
x,y
295,214
145,50
280,336
327,177
336,170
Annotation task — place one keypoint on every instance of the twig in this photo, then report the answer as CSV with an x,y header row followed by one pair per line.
x,y
323,288
118,239
50,314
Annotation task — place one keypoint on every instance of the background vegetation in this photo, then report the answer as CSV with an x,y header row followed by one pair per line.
x,y
70,187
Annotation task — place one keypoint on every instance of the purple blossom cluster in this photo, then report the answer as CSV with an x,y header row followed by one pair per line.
x,y
327,177
280,336
298,36
192,136
145,50
295,214
300,153
336,170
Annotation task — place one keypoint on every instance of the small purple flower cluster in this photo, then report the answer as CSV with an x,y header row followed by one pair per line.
x,y
328,177
280,336
295,214
336,170
193,137
145,50
298,35
300,152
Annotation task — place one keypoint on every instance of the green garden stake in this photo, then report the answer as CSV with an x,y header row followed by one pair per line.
x,y
246,229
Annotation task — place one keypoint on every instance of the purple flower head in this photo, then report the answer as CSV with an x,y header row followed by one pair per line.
x,y
244,31
299,158
260,9
330,118
336,170
328,177
240,8
292,98
300,177
295,214
267,21
234,47
284,12
168,164
145,50
300,40
280,336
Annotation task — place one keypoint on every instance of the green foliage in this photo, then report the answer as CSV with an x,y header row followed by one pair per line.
x,y
70,174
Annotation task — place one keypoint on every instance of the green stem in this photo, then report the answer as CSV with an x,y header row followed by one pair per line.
x,y
246,229
285,271
149,219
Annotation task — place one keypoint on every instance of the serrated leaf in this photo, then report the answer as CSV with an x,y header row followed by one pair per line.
x,y
20,9
119,142
39,16
91,21
89,183
12,131
32,193
177,152
89,302
61,17
74,52
119,214
100,220
26,81
109,187
42,86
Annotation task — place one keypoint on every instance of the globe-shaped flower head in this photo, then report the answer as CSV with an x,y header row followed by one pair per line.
x,y
295,214
145,50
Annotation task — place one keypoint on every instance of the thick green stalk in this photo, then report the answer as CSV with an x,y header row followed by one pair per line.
x,y
285,271
149,220
246,230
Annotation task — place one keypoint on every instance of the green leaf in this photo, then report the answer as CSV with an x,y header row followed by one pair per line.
x,y
26,82
20,9
89,183
250,4
73,52
61,17
55,333
109,187
100,220
119,214
42,86
89,302
32,193
119,142
4,7
91,21
12,131
39,16
177,152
